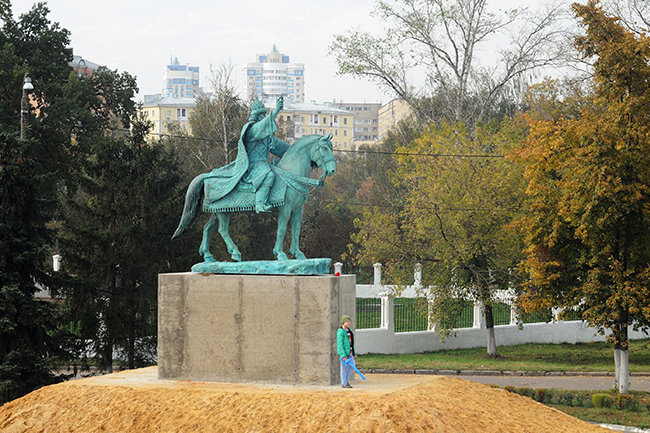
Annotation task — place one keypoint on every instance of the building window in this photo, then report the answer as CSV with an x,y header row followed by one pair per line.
x,y
324,120
181,113
345,133
169,114
345,120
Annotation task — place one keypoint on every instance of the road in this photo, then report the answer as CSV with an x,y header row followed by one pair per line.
x,y
592,383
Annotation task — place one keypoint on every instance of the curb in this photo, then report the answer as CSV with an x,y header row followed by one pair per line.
x,y
621,428
497,372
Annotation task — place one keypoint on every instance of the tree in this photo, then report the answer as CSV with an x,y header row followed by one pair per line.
x,y
29,173
216,123
443,38
586,231
114,236
634,14
459,196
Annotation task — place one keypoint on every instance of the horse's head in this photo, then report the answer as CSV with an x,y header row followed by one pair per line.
x,y
322,155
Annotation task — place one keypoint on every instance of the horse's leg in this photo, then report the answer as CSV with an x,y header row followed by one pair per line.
x,y
208,229
224,220
283,219
296,220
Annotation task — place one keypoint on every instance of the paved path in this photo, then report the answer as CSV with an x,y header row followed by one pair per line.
x,y
597,383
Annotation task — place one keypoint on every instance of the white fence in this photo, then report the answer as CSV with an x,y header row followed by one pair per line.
x,y
385,340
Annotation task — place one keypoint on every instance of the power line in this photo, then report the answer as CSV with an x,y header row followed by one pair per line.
x,y
432,155
377,152
435,208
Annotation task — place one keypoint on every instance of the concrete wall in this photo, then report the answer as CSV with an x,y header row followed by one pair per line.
x,y
383,340
239,328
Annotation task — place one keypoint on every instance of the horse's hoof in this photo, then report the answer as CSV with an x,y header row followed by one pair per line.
x,y
236,257
300,256
207,257
282,256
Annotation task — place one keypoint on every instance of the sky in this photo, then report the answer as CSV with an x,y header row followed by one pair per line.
x,y
140,37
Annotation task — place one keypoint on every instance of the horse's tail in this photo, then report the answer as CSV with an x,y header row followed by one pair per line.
x,y
192,203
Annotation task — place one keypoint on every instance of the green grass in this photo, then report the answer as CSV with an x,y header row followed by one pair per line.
x,y
639,419
524,357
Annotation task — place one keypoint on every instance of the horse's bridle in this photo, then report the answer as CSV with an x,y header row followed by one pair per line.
x,y
324,159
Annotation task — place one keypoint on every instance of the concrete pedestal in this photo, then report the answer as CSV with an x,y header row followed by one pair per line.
x,y
238,328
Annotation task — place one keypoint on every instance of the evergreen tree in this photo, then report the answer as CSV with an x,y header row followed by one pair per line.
x,y
115,240
29,175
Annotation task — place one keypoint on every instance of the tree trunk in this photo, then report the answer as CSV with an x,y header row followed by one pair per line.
x,y
617,364
623,365
108,357
489,325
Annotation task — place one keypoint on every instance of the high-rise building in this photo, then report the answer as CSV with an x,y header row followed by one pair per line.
x,y
272,75
170,111
181,81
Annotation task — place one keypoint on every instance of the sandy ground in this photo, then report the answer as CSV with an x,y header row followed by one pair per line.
x,y
136,401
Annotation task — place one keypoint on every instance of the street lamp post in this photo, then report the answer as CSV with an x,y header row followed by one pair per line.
x,y
24,105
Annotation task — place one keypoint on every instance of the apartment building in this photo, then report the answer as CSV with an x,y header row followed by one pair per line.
x,y
300,119
273,75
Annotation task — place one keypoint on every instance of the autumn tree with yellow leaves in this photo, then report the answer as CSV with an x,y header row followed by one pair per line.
x,y
587,231
458,196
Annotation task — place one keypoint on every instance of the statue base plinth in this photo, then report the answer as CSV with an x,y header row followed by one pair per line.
x,y
241,328
266,267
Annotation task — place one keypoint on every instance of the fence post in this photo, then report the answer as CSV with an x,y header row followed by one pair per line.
x,y
479,317
431,323
388,311
377,280
555,312
338,267
514,316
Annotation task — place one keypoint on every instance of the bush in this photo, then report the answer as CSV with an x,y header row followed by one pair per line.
x,y
645,403
627,402
528,392
566,399
631,402
601,400
540,394
582,399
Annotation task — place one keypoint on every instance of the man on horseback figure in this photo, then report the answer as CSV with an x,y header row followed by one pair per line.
x,y
258,138
249,183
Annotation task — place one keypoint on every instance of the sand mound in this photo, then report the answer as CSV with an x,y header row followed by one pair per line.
x,y
136,401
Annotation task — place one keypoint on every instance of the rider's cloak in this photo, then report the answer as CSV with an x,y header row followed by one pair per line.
x,y
256,138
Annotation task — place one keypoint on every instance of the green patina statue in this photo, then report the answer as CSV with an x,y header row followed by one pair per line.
x,y
251,183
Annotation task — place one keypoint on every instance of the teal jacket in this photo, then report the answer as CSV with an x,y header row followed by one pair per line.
x,y
342,343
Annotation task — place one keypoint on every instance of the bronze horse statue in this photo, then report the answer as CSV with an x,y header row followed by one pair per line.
x,y
288,193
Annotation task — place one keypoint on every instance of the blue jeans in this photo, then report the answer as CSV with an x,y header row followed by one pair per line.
x,y
346,373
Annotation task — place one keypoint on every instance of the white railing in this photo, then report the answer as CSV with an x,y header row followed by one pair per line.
x,y
384,339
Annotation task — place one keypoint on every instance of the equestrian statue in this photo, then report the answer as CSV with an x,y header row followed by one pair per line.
x,y
252,183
